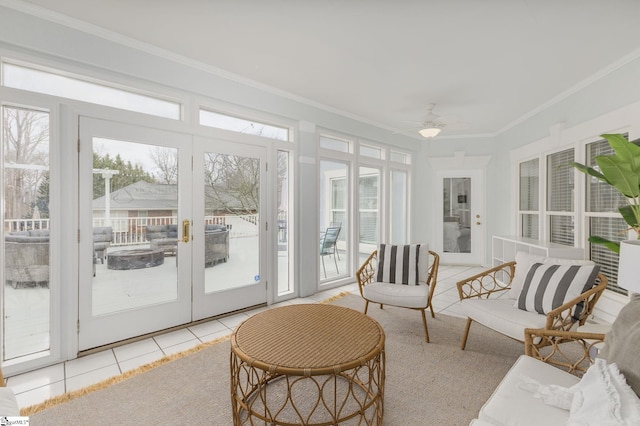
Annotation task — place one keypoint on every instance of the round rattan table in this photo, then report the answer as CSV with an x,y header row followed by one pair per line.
x,y
311,364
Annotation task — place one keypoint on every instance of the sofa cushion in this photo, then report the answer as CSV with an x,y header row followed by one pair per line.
x,y
402,264
622,343
548,286
524,260
510,404
8,404
501,316
603,397
407,296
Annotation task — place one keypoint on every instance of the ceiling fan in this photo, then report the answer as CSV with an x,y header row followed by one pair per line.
x,y
432,124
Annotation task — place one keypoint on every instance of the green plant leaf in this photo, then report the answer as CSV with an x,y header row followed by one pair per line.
x,y
611,245
629,216
625,150
589,171
619,174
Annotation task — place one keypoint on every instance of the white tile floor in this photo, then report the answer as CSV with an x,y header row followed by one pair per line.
x,y
36,386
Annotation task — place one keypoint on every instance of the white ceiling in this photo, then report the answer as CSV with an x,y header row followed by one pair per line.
x,y
489,63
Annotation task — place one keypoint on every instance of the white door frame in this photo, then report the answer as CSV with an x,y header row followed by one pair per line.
x,y
460,166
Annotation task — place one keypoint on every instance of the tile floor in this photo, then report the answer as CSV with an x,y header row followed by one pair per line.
x,y
36,386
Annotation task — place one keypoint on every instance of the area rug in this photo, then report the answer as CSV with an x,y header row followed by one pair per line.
x,y
433,383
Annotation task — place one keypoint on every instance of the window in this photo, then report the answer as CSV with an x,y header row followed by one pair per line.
x,y
335,213
399,206
369,199
54,83
285,220
560,197
370,151
529,195
241,125
400,157
335,144
26,217
601,210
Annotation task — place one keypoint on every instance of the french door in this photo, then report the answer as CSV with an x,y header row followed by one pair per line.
x,y
182,216
229,272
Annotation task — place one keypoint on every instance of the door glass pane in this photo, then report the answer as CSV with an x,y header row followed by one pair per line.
x,y
399,187
284,226
232,221
369,211
135,229
456,215
334,217
25,293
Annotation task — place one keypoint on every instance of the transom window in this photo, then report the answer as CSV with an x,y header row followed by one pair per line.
x,y
55,83
242,125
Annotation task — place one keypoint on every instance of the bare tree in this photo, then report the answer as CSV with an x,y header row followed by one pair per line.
x,y
166,160
232,182
26,158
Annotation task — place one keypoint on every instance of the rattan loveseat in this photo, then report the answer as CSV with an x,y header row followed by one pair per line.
x,y
573,378
491,299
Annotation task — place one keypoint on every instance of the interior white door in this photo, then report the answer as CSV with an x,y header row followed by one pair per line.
x,y
133,180
229,229
460,218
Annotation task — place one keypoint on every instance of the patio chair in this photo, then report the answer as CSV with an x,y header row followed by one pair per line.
x,y
531,292
328,241
379,283
102,238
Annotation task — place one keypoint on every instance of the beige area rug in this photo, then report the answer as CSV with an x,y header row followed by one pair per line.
x,y
426,383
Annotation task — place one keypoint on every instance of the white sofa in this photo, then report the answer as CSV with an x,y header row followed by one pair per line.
x,y
535,388
8,404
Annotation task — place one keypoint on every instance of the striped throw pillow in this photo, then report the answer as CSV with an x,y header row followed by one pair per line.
x,y
548,286
398,264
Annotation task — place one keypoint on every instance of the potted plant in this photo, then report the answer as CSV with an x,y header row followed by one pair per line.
x,y
622,171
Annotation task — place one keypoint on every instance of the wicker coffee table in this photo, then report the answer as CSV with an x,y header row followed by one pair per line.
x,y
308,364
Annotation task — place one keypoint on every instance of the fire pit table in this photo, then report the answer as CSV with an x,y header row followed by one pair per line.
x,y
135,259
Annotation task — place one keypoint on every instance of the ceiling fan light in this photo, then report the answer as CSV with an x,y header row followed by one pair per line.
x,y
429,132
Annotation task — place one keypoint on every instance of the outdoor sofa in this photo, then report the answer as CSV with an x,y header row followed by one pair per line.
x,y
27,258
216,241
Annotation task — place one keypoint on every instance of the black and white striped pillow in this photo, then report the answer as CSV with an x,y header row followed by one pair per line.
x,y
398,264
548,286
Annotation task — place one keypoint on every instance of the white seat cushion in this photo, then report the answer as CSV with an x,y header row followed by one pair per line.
x,y
502,316
405,296
8,403
512,405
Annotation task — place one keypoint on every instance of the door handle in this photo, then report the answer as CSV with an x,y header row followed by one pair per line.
x,y
185,230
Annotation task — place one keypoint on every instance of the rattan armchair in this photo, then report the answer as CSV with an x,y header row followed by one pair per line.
x,y
502,316
415,297
572,351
